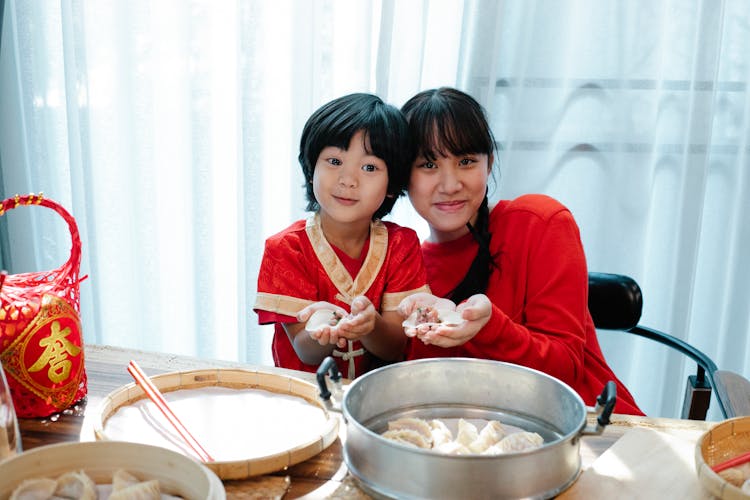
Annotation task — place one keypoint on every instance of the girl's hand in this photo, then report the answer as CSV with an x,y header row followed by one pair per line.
x,y
359,323
476,311
417,300
422,299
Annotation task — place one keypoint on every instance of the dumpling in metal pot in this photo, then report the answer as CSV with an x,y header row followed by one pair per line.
x,y
490,435
516,441
416,424
409,437
440,432
467,433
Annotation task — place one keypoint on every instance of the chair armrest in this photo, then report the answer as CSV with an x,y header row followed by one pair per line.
x,y
734,391
704,377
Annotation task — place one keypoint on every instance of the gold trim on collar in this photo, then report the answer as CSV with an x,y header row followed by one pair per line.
x,y
342,280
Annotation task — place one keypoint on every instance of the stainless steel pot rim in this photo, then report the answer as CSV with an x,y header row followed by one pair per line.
x,y
562,434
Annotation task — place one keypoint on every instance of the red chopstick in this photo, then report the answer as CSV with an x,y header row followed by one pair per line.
x,y
732,462
156,396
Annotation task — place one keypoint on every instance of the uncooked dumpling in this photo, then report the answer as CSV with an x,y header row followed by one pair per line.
x,y
76,485
147,490
415,424
453,448
121,479
441,434
467,432
408,436
431,316
322,318
517,441
490,435
34,489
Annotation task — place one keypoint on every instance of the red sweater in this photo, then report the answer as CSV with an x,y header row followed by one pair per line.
x,y
540,317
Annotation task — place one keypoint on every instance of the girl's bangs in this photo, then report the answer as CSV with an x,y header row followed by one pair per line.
x,y
443,135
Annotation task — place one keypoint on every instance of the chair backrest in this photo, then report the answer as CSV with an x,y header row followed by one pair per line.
x,y
616,302
734,389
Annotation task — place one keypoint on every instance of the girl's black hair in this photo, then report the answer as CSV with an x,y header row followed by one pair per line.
x,y
386,132
447,121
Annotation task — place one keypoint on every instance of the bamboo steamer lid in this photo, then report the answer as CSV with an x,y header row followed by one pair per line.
x,y
313,442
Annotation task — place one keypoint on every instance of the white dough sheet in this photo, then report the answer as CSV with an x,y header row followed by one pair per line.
x,y
230,424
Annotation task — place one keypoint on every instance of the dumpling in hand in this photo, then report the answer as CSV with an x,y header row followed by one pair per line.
x,y
76,484
34,489
467,433
491,434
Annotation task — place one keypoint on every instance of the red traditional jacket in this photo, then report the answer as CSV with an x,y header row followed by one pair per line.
x,y
540,317
300,267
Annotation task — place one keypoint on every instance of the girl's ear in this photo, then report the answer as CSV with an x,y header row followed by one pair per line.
x,y
490,162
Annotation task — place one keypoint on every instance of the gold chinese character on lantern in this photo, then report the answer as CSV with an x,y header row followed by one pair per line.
x,y
57,348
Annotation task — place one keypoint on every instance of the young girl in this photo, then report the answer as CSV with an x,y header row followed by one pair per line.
x,y
517,270
355,156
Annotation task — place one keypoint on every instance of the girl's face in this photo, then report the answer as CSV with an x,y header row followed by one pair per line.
x,y
447,192
349,184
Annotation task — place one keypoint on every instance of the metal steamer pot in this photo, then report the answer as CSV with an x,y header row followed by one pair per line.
x,y
452,388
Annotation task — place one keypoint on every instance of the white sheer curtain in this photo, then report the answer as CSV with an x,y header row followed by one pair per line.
x,y
637,116
170,131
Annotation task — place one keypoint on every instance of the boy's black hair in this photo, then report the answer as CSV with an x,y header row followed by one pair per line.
x,y
386,132
447,121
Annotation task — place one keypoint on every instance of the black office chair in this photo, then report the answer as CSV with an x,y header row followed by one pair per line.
x,y
615,303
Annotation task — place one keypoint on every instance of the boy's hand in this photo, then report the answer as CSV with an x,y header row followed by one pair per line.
x,y
325,334
359,323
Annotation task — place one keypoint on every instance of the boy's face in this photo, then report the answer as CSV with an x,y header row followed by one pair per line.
x,y
350,185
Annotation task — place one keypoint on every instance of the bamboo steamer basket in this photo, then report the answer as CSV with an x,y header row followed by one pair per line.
x,y
177,474
726,440
316,441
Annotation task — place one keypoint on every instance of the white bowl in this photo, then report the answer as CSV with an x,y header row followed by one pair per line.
x,y
177,474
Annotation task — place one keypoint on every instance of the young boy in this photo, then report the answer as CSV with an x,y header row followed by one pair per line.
x,y
356,156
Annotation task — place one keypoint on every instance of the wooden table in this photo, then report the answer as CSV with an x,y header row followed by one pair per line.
x,y
319,477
